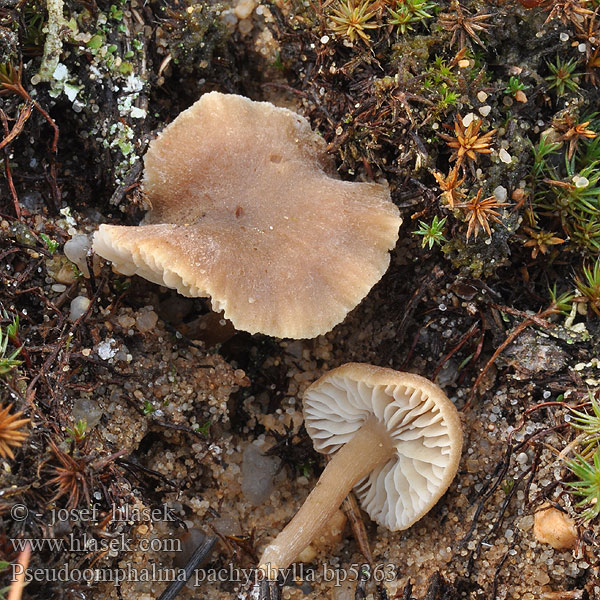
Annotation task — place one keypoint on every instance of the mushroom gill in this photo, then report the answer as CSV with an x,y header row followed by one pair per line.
x,y
395,437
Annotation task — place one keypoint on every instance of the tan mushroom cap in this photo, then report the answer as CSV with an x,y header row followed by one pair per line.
x,y
422,422
244,212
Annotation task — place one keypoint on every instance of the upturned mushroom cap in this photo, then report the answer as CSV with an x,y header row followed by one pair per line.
x,y
422,422
244,212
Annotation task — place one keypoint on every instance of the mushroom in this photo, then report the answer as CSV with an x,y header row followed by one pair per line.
x,y
243,211
397,440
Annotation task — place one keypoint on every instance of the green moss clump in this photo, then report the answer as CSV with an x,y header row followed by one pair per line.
x,y
194,35
481,258
566,181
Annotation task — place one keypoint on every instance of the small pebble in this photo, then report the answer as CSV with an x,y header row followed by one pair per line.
x,y
88,410
244,8
553,527
126,321
518,195
258,472
504,156
66,274
482,96
468,119
228,17
78,307
245,26
563,37
146,321
485,110
106,349
58,287
522,458
520,96
501,193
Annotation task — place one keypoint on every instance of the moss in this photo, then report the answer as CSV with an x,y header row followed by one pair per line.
x,y
566,187
411,52
8,46
194,35
483,257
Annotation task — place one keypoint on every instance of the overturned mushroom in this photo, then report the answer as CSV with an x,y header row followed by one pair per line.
x,y
244,212
396,437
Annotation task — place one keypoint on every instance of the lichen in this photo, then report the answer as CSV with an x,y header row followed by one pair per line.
x,y
53,44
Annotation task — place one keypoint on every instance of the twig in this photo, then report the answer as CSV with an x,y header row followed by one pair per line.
x,y
16,589
9,136
200,554
37,291
538,318
131,180
519,313
17,127
509,340
534,467
503,508
435,583
489,489
245,543
131,465
30,393
52,179
411,350
268,590
473,330
350,507
182,428
108,459
285,87
11,82
360,593
499,568
411,306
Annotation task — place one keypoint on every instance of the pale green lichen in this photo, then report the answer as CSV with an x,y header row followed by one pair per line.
x,y
121,137
53,43
62,83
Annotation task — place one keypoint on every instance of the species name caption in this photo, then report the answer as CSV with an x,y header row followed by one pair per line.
x,y
156,572
298,573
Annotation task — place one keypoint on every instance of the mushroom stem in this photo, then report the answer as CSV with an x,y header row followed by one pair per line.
x,y
369,448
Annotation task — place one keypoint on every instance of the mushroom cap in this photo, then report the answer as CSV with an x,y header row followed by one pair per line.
x,y
244,212
423,425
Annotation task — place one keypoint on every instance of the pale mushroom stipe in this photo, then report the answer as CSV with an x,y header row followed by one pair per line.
x,y
245,211
395,438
